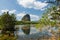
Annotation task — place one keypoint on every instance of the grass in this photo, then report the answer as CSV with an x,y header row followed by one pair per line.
x,y
7,37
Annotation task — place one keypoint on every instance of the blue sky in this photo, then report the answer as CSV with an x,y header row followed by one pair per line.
x,y
22,7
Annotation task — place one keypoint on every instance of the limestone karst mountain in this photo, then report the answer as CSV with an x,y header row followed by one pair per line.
x,y
26,18
26,27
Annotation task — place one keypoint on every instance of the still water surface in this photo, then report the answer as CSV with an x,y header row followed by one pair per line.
x,y
34,33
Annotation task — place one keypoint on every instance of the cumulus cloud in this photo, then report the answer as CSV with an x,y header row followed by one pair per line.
x,y
4,10
10,11
33,17
32,4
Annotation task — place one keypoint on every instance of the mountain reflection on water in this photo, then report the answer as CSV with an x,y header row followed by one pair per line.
x,y
32,30
34,33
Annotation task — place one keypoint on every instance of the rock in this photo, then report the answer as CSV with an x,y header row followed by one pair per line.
x,y
26,28
26,18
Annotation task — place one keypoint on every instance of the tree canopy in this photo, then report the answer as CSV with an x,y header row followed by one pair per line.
x,y
7,22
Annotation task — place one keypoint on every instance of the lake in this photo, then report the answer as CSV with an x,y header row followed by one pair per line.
x,y
34,33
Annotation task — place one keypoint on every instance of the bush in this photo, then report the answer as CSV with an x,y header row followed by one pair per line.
x,y
7,22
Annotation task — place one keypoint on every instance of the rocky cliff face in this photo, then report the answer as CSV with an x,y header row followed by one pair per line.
x,y
26,18
26,28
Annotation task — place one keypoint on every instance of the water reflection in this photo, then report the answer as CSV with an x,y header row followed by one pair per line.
x,y
35,33
32,30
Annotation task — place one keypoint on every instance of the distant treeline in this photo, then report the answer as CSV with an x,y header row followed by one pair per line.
x,y
26,22
23,22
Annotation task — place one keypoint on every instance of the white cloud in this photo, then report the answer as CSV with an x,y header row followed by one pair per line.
x,y
4,10
20,15
10,11
33,17
32,4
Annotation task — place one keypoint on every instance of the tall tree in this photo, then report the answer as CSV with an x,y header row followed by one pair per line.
x,y
7,22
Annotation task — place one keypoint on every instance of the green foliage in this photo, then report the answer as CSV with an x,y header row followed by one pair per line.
x,y
7,37
25,22
45,20
8,21
7,24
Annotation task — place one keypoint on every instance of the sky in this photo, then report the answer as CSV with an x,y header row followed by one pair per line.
x,y
35,8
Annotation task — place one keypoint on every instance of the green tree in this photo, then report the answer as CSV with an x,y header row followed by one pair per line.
x,y
7,22
45,20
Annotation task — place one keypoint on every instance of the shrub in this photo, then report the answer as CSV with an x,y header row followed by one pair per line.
x,y
7,22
